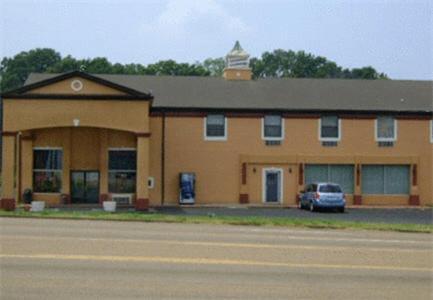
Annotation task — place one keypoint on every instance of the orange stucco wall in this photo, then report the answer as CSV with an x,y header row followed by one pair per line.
x,y
217,164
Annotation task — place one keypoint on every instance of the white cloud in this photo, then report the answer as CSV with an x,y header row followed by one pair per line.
x,y
182,18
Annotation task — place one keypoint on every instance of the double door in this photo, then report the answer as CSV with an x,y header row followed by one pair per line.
x,y
85,186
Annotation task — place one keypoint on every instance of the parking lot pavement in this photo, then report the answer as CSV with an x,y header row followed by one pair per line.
x,y
376,215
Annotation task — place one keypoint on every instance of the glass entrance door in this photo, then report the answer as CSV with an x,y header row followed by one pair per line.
x,y
85,186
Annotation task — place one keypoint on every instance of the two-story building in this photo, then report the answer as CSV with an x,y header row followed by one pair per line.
x,y
83,138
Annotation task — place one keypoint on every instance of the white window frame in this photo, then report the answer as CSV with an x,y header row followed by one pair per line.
x,y
327,139
151,182
273,138
379,139
215,138
48,170
272,169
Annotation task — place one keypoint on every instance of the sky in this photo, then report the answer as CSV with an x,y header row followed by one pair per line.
x,y
393,36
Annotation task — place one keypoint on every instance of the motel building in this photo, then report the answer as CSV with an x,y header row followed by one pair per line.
x,y
79,138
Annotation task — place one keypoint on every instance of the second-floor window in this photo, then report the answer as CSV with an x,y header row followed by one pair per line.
x,y
273,128
330,129
386,129
215,127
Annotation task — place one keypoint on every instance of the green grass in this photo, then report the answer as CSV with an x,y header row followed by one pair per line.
x,y
248,221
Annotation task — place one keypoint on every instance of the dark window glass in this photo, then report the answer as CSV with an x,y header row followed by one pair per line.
x,y
121,182
122,160
47,181
330,188
47,170
122,171
47,159
329,127
273,126
215,126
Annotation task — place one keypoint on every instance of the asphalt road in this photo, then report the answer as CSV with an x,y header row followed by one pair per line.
x,y
66,259
378,215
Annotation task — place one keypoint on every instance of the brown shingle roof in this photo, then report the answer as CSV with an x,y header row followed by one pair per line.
x,y
278,94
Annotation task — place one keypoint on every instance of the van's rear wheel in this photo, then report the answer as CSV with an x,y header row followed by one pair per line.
x,y
341,209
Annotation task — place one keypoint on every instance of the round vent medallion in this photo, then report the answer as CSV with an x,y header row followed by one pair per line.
x,y
76,85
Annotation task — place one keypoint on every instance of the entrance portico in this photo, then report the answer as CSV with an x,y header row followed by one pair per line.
x,y
58,138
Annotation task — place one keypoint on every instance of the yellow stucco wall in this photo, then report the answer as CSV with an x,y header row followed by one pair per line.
x,y
237,74
88,87
83,149
20,114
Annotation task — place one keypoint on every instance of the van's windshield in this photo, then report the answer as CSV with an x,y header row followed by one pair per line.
x,y
329,188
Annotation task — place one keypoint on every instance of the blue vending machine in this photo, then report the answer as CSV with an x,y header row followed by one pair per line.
x,y
186,188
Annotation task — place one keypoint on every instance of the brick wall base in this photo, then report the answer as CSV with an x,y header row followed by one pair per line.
x,y
357,200
142,204
102,198
244,199
7,204
414,200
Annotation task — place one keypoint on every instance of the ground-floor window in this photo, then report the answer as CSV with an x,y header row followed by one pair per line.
x,y
47,170
341,174
122,171
386,179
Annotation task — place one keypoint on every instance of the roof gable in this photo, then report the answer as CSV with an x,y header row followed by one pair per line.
x,y
77,85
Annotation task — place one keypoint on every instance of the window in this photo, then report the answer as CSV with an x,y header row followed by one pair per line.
x,y
47,170
385,179
122,166
215,127
273,128
386,129
151,182
330,129
340,174
329,188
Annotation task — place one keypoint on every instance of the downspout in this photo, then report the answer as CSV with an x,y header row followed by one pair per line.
x,y
18,164
163,159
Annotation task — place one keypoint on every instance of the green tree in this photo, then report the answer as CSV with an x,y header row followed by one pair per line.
x,y
281,63
278,63
215,66
170,67
14,71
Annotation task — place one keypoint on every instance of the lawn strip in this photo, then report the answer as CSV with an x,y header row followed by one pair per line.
x,y
216,219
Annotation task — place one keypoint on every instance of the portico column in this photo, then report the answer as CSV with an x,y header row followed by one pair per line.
x,y
26,163
8,163
142,201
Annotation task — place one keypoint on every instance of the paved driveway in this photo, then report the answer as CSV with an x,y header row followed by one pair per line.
x,y
381,215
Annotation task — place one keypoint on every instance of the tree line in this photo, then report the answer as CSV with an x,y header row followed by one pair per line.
x,y
278,63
